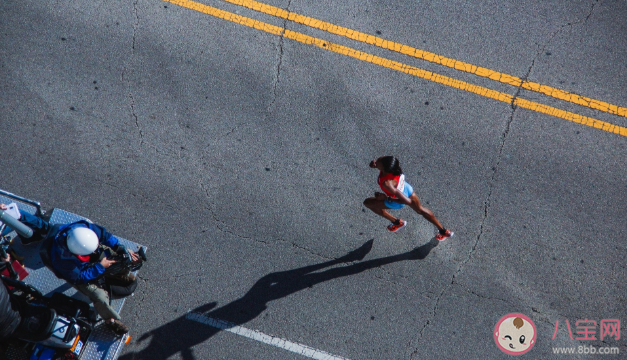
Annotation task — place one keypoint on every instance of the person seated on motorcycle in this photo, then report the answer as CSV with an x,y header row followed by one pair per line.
x,y
84,262
79,255
9,317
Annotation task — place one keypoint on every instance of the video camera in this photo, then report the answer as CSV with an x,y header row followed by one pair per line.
x,y
124,262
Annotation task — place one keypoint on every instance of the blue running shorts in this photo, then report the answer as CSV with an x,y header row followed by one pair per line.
x,y
407,191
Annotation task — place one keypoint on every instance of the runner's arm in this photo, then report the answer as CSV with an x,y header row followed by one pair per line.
x,y
390,186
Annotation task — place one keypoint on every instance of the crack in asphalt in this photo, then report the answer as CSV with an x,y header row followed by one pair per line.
x,y
391,274
434,313
135,24
469,291
542,48
132,105
130,93
425,293
221,225
277,78
483,220
487,202
591,11
494,172
296,246
231,131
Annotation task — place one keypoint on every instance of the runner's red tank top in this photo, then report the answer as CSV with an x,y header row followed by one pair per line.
x,y
400,183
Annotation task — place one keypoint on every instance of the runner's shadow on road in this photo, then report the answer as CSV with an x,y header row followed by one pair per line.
x,y
182,334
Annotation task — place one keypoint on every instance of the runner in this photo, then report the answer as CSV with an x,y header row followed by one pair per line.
x,y
398,193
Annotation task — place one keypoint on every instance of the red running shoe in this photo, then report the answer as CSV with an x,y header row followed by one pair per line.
x,y
447,234
396,226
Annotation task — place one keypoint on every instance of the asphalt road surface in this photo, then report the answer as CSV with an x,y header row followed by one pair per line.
x,y
237,150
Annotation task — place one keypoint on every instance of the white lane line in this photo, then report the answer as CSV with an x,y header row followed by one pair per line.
x,y
261,337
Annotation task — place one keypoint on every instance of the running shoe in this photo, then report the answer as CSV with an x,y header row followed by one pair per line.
x,y
399,224
447,234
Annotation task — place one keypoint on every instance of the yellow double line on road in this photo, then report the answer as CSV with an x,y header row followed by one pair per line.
x,y
445,80
431,57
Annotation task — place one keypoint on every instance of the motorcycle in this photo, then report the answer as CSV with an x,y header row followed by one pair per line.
x,y
72,331
58,324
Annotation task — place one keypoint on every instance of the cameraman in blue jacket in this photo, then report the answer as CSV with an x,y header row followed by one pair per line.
x,y
79,254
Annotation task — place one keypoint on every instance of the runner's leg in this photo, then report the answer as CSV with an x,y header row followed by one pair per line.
x,y
379,208
426,213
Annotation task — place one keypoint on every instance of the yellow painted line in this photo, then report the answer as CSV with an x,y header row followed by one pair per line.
x,y
431,57
395,65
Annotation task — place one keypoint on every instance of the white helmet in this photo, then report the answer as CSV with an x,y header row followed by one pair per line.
x,y
82,241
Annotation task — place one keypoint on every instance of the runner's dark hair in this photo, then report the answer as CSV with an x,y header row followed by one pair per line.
x,y
391,165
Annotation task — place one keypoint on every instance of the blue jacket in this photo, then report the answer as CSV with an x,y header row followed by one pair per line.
x,y
68,265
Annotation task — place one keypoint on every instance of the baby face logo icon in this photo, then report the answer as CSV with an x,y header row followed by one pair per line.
x,y
515,334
